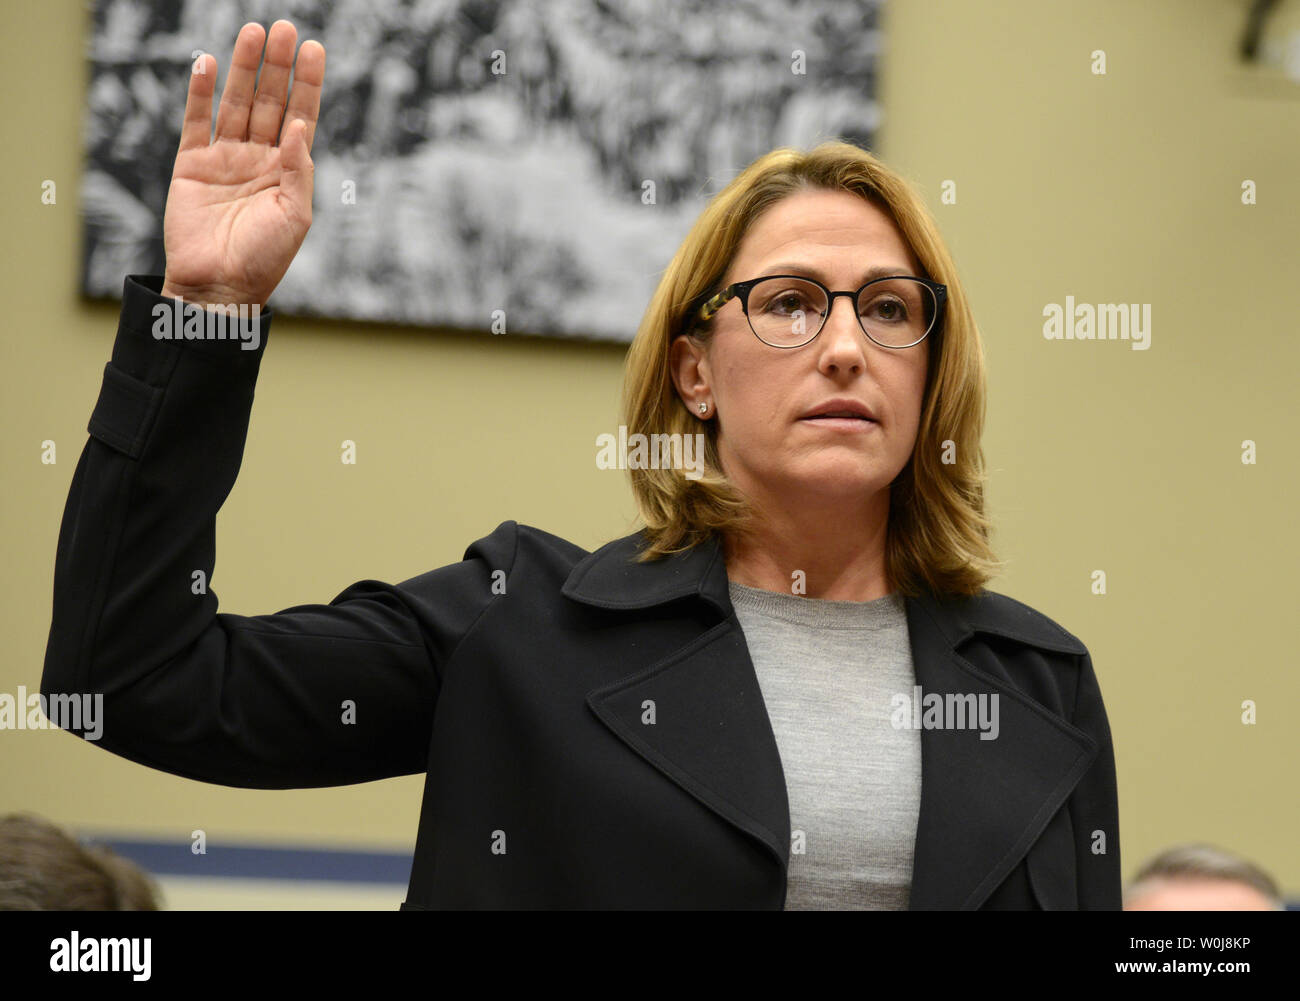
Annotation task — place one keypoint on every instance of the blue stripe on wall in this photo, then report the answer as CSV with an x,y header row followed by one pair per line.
x,y
169,858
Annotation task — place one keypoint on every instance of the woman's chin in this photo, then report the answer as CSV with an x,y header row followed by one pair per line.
x,y
841,481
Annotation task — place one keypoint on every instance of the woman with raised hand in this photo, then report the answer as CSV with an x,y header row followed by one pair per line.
x,y
790,689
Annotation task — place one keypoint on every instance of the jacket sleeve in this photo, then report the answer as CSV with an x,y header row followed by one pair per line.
x,y
1094,805
314,695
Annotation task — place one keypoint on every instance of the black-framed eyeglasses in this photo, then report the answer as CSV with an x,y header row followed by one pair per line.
x,y
788,311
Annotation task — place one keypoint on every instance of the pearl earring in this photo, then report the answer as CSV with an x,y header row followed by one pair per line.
x,y
704,408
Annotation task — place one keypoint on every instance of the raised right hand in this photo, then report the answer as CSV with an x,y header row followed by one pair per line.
x,y
239,206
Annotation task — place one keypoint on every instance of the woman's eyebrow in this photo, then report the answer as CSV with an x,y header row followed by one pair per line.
x,y
792,268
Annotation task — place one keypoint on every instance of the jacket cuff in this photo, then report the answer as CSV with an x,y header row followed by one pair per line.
x,y
167,322
155,335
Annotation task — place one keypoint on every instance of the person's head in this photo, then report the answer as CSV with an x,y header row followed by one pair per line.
x,y
1201,878
42,868
838,215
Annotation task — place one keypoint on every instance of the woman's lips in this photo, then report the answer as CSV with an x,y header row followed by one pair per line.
x,y
859,424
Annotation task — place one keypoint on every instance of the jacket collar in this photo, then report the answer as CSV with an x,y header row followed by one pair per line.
x,y
609,578
982,803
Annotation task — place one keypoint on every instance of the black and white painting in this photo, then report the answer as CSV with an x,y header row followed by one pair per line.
x,y
539,158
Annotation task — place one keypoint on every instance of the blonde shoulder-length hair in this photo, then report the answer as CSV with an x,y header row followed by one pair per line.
x,y
938,534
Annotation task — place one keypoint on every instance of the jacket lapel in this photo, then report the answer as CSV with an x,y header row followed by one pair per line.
x,y
711,733
983,802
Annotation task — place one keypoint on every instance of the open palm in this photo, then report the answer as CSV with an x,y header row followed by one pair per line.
x,y
239,205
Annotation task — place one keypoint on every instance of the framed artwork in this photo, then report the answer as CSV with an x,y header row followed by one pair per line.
x,y
532,164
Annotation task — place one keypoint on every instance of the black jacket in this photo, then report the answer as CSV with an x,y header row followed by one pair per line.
x,y
515,680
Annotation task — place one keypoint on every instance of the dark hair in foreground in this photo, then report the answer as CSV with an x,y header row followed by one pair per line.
x,y
1201,861
42,868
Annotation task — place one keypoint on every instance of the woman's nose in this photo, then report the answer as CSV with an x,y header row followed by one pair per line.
x,y
843,332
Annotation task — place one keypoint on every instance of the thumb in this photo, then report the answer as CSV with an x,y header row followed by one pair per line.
x,y
296,169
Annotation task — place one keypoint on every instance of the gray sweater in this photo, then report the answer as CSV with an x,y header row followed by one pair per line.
x,y
828,670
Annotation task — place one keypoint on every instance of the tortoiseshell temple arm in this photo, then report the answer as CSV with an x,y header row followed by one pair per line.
x,y
711,307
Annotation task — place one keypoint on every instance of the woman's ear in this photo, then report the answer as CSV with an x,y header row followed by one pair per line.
x,y
688,363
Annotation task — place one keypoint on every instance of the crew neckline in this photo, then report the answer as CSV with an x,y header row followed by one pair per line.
x,y
824,613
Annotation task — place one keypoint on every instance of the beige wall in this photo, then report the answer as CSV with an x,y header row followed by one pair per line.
x,y
1116,188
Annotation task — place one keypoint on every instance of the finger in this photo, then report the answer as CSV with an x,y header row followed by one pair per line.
x,y
232,114
296,170
304,101
273,87
196,131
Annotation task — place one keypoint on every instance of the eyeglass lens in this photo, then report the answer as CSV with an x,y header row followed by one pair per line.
x,y
788,312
